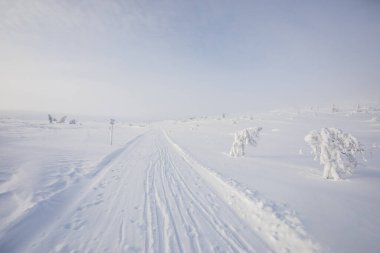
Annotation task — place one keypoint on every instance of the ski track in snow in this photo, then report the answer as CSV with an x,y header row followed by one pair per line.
x,y
150,196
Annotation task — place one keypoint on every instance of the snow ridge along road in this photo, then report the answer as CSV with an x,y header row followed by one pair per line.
x,y
278,226
151,196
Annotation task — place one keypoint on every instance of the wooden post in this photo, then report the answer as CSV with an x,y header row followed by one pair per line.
x,y
112,122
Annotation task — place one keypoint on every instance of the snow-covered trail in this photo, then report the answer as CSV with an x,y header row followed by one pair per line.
x,y
147,197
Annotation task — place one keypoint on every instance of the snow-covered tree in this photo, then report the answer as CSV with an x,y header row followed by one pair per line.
x,y
50,119
334,108
243,138
62,120
358,108
336,151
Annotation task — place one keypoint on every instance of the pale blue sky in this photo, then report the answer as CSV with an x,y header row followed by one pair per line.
x,y
162,59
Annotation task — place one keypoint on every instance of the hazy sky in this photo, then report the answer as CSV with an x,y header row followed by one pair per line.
x,y
157,59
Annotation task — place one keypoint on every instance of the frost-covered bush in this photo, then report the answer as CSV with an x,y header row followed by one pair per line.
x,y
62,120
359,108
336,151
50,118
243,138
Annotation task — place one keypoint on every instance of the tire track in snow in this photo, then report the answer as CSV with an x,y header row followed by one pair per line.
x,y
190,221
280,229
53,217
206,213
152,198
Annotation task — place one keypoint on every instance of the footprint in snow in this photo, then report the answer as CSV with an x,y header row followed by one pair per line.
x,y
75,225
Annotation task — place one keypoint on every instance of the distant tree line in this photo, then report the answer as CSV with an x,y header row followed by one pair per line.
x,y
53,120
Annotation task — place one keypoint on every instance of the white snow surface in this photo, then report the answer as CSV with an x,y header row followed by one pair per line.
x,y
171,186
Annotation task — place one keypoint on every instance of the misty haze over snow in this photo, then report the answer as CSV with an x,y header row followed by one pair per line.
x,y
186,126
162,59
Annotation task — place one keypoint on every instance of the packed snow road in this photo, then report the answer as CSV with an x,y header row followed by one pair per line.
x,y
148,197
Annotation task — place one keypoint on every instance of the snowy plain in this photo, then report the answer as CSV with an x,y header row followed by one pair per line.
x,y
170,186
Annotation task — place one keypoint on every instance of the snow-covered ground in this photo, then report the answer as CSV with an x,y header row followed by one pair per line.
x,y
171,186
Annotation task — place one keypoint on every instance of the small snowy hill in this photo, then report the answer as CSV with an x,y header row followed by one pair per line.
x,y
171,186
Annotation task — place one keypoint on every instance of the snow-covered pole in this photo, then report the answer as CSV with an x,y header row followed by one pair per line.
x,y
112,122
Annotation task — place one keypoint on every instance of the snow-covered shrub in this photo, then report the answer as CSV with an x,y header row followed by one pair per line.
x,y
374,119
334,108
336,150
50,118
358,108
243,138
72,122
62,120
